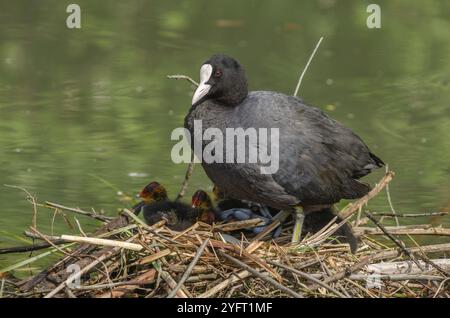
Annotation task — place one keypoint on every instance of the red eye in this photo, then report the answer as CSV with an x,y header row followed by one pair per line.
x,y
218,73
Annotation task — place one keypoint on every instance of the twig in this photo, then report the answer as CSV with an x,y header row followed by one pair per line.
x,y
188,175
32,235
201,277
227,282
2,287
440,287
409,215
189,269
380,256
353,207
85,269
69,293
147,227
306,67
267,230
183,77
401,245
130,283
114,226
29,248
308,277
30,197
79,227
102,218
172,284
145,278
404,267
259,275
154,257
396,277
388,194
238,225
190,168
103,242
345,214
51,243
403,231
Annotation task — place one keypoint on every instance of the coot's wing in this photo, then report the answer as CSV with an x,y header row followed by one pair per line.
x,y
320,160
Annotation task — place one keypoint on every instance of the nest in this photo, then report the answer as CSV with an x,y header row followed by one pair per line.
x,y
127,258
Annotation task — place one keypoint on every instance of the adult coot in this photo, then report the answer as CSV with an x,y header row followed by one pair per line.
x,y
320,161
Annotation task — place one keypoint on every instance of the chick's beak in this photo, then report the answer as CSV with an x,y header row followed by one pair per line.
x,y
195,203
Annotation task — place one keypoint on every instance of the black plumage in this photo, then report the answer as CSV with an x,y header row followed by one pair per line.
x,y
320,160
178,216
156,207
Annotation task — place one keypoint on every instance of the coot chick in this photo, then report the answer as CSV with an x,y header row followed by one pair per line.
x,y
202,202
320,160
158,207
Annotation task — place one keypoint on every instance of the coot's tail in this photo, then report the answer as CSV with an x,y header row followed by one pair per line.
x,y
377,160
316,220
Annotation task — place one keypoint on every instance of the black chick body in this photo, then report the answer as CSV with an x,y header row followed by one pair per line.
x,y
156,207
178,216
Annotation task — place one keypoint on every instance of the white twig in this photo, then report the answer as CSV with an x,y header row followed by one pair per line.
x,y
306,67
79,227
104,242
390,201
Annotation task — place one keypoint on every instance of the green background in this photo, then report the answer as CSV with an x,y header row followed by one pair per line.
x,y
83,104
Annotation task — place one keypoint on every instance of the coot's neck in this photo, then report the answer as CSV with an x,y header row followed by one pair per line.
x,y
235,94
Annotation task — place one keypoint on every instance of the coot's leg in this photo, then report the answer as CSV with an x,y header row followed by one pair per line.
x,y
299,217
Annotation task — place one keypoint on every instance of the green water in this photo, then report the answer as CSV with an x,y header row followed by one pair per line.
x,y
79,105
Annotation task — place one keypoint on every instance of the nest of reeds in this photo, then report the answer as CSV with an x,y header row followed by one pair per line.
x,y
127,258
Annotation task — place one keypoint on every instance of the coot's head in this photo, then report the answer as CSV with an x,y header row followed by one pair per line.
x,y
202,201
153,192
222,79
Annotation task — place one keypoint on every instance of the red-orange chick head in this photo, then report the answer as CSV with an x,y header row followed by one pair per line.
x,y
202,201
153,192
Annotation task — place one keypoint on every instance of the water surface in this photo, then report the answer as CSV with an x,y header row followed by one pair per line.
x,y
81,106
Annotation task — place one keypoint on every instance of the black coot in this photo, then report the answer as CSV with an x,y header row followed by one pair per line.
x,y
320,161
